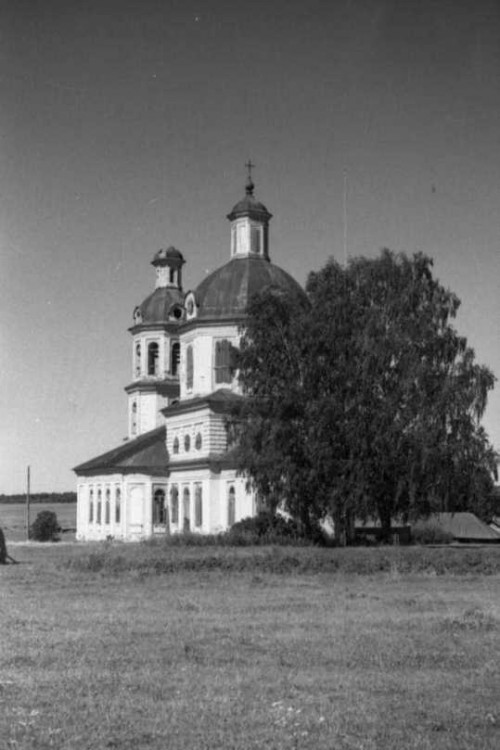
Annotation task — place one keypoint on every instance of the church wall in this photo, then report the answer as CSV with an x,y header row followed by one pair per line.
x,y
204,423
203,342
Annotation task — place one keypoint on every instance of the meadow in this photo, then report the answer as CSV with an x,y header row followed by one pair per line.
x,y
275,648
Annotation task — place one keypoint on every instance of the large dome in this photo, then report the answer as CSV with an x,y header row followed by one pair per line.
x,y
162,306
225,292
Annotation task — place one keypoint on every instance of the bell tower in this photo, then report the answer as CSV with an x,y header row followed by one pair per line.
x,y
249,224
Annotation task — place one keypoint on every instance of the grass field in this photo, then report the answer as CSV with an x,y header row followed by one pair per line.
x,y
13,520
130,658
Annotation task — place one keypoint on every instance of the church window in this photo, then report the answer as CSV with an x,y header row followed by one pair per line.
x,y
175,356
186,509
189,368
198,441
159,511
175,445
153,351
117,505
133,427
187,443
223,355
107,508
171,275
174,503
198,506
99,507
255,239
91,505
231,506
138,358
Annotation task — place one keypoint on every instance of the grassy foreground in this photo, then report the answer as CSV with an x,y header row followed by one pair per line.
x,y
243,657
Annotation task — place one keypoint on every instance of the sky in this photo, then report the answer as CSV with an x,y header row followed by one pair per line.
x,y
125,127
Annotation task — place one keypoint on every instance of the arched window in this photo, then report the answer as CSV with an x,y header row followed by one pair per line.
x,y
189,368
175,356
118,498
186,509
175,445
223,366
91,505
198,441
255,243
187,443
133,419
171,275
107,507
159,514
198,506
153,358
231,506
138,358
99,506
174,503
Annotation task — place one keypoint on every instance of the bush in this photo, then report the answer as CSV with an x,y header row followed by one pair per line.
x,y
266,528
45,527
429,532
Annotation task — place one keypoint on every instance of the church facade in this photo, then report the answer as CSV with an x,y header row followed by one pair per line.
x,y
175,472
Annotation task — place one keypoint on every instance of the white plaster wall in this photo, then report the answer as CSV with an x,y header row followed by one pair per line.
x,y
203,342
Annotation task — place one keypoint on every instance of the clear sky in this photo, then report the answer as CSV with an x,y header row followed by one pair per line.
x,y
125,127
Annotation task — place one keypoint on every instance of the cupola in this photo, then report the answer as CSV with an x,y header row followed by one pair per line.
x,y
168,264
249,224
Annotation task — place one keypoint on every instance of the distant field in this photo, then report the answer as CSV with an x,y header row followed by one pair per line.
x,y
126,657
12,518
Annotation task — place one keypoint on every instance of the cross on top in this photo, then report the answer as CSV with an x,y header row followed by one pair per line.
x,y
249,166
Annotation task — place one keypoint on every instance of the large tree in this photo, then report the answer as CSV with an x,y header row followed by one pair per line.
x,y
366,401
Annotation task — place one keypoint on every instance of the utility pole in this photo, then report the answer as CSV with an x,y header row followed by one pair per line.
x,y
345,219
28,503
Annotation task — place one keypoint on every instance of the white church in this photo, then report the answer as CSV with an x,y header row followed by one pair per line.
x,y
175,472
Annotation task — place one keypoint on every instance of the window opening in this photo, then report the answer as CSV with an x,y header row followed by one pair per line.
x,y
159,510
189,368
91,506
174,503
198,441
187,443
186,501
223,361
175,445
153,358
99,506
198,506
107,508
118,497
231,506
175,357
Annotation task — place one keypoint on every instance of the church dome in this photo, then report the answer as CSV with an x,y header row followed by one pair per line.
x,y
163,306
225,293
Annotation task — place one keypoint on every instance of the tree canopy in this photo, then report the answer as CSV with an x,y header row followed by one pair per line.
x,y
363,400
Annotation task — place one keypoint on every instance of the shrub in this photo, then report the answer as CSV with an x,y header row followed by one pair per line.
x,y
45,527
266,528
429,532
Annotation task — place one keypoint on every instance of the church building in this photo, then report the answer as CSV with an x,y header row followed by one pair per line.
x,y
175,472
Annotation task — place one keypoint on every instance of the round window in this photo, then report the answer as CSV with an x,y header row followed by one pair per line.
x,y
198,441
187,443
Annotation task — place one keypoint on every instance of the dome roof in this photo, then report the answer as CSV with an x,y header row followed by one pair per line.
x,y
225,293
171,253
249,206
157,308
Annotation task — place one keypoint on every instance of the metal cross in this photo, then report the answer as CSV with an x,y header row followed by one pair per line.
x,y
249,166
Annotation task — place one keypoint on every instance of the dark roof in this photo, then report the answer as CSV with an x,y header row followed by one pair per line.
x,y
147,454
249,206
465,527
219,401
225,293
170,254
158,306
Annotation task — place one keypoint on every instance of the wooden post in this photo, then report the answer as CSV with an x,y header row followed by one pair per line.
x,y
28,503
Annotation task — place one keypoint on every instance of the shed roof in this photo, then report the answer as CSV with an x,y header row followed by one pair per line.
x,y
147,454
